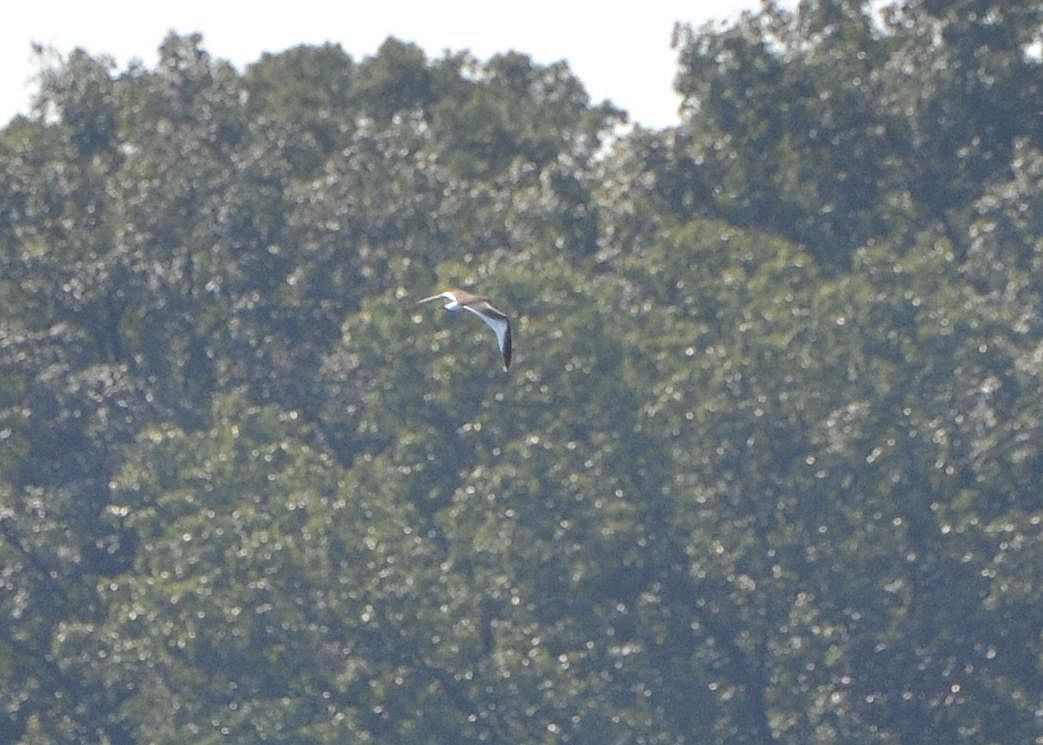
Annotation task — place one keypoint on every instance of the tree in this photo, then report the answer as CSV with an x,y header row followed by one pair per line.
x,y
765,468
809,124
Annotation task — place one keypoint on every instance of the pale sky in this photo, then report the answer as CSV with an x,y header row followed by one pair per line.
x,y
621,51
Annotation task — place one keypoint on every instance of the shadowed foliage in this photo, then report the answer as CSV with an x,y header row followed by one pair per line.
x,y
766,467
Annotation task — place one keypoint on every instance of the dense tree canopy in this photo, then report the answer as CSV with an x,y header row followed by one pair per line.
x,y
767,468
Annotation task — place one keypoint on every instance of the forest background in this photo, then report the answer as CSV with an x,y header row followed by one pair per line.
x,y
766,469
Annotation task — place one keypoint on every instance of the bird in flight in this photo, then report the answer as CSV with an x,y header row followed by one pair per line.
x,y
496,319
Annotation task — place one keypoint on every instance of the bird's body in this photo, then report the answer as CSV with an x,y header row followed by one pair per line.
x,y
496,319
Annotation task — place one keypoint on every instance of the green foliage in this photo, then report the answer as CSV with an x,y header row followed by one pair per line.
x,y
766,467
820,123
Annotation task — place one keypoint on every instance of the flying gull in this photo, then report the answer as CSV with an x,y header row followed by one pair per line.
x,y
497,320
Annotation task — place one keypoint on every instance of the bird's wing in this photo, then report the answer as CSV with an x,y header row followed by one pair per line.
x,y
500,324
447,295
505,344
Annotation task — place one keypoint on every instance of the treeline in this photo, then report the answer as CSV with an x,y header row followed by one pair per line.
x,y
766,469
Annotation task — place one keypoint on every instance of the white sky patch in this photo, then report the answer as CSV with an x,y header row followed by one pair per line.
x,y
620,52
